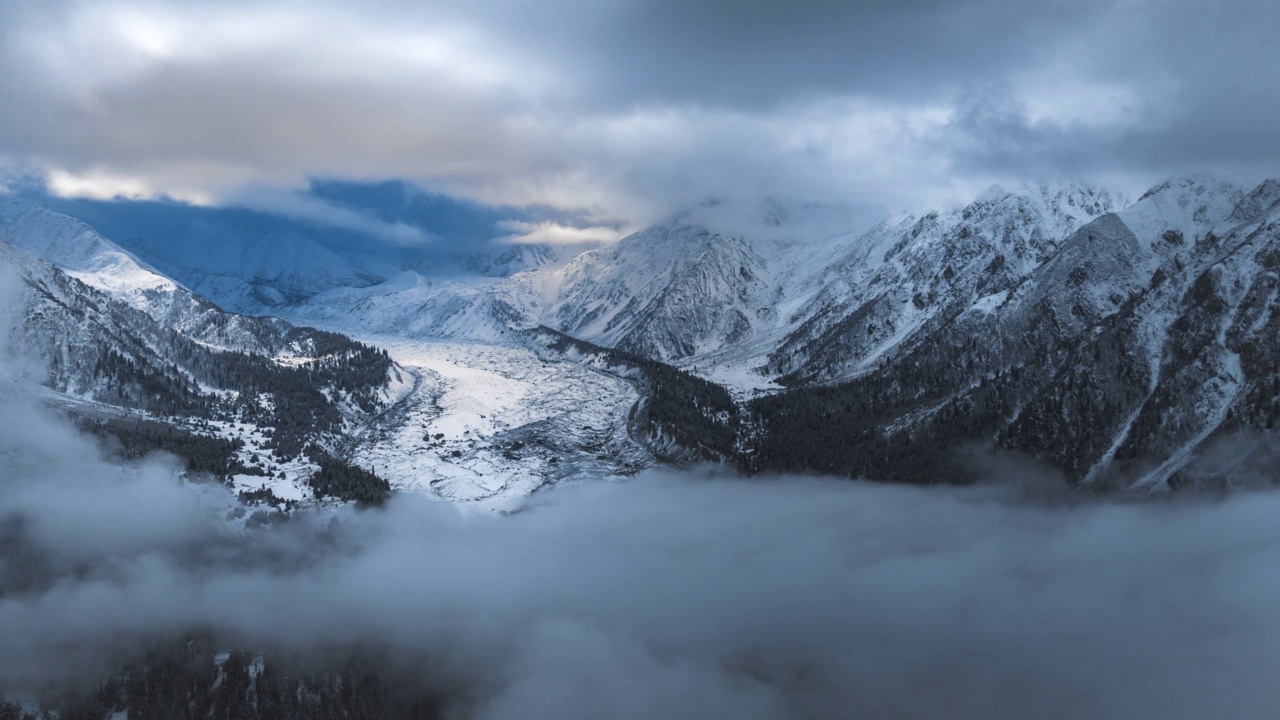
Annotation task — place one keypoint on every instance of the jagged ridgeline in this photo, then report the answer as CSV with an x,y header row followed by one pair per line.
x,y
298,383
1145,338
1112,341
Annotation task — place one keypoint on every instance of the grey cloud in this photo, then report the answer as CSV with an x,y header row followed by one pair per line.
x,y
990,132
991,135
762,52
637,108
1195,73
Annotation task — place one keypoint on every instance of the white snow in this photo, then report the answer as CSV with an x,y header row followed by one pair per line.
x,y
78,249
989,303
514,420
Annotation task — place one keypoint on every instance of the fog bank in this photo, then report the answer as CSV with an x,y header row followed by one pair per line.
x,y
670,595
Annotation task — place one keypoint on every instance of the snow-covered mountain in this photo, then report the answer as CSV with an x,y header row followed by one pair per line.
x,y
1115,342
81,253
79,250
520,257
246,268
905,277
668,292
118,342
1140,340
678,291
154,367
96,345
779,303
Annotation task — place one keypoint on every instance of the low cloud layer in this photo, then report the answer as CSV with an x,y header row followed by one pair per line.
x,y
633,110
669,595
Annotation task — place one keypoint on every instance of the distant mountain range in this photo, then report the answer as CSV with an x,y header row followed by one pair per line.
x,y
1117,342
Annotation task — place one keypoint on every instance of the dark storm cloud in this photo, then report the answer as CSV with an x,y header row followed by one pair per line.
x,y
760,52
1198,99
631,108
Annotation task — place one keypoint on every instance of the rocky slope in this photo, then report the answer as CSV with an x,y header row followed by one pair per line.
x,y
142,361
1141,339
902,279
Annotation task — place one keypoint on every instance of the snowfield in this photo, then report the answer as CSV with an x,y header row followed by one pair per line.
x,y
488,424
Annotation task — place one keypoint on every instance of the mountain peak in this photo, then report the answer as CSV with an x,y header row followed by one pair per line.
x,y
1192,184
1056,209
1190,204
520,257
75,247
1257,202
1089,199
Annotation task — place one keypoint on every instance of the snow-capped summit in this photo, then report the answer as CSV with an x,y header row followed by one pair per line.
x,y
904,278
1259,200
1189,206
519,257
669,292
80,252
78,249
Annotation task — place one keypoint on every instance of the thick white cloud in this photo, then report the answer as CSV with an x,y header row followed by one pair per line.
x,y
547,232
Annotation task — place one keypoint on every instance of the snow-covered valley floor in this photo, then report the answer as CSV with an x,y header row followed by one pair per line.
x,y
488,424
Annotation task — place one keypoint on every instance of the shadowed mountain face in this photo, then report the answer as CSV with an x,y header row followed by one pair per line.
x,y
285,248
1140,341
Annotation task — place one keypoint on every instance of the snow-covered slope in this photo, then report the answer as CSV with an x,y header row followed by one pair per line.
x,y
249,269
424,307
97,346
521,257
83,254
79,250
488,424
1113,342
904,278
1137,342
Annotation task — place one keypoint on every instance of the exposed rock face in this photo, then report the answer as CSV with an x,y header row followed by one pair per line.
x,y
1145,334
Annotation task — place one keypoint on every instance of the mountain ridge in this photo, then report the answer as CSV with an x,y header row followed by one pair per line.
x,y
1111,341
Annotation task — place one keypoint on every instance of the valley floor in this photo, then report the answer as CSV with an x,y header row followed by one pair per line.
x,y
487,424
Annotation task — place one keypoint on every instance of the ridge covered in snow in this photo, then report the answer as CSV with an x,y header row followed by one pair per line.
x,y
1115,342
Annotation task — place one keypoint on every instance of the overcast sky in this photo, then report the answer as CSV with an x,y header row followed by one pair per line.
x,y
629,109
